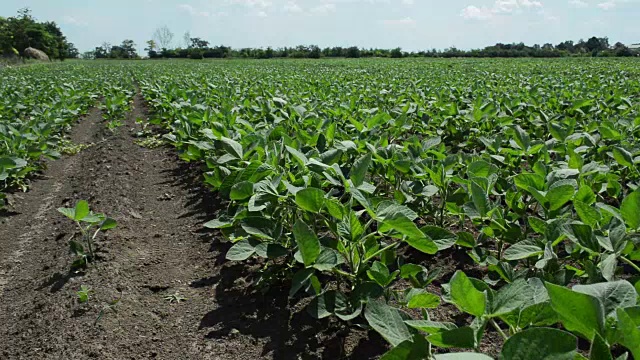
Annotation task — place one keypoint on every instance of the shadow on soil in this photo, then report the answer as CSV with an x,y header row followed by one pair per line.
x,y
286,329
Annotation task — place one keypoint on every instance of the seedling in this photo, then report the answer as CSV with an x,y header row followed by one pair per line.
x,y
111,306
175,298
83,294
89,224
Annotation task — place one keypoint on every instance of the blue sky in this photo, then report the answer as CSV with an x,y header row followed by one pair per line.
x,y
410,24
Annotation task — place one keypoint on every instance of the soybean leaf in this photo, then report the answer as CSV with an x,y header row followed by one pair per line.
x,y
630,210
300,279
81,210
629,328
578,312
540,344
310,199
241,250
612,295
241,191
599,349
463,337
387,321
307,241
465,295
559,195
463,356
359,170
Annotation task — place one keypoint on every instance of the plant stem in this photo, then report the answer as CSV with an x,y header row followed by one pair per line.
x,y
381,251
630,263
495,325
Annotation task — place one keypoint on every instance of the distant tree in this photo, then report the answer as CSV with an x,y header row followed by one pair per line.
x,y
151,48
353,52
396,53
129,49
88,55
186,39
163,37
198,43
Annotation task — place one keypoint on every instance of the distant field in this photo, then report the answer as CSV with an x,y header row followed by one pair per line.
x,y
446,205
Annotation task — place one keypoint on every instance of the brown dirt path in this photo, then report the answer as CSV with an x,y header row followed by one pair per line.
x,y
157,249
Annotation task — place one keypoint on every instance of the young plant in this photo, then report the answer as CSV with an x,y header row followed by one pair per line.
x,y
83,294
89,224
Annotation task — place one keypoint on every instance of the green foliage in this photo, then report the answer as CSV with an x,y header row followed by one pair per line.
x,y
89,224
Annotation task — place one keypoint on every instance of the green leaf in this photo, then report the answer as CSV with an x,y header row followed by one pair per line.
x,y
241,250
423,300
480,199
307,241
359,170
587,214
430,327
298,155
310,199
380,274
465,295
599,349
387,321
612,295
70,213
108,224
623,157
415,349
402,224
630,210
526,180
540,344
578,312
442,238
241,191
300,278
232,147
463,338
218,224
327,260
629,328
510,297
559,195
522,250
81,210
425,245
463,356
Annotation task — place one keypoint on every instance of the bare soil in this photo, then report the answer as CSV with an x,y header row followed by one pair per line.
x,y
158,249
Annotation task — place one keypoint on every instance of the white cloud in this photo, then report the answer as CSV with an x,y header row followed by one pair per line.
x,y
70,20
292,7
610,4
408,2
473,12
324,8
500,7
406,22
192,11
262,4
578,3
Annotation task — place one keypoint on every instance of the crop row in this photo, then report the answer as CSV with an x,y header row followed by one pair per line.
x,y
337,175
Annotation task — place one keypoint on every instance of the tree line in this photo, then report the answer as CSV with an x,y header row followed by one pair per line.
x,y
22,31
197,48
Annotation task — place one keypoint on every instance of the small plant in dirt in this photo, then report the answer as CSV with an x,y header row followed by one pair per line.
x,y
83,294
67,147
111,306
175,298
89,224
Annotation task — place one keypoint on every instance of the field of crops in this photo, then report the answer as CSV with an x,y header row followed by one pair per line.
x,y
442,204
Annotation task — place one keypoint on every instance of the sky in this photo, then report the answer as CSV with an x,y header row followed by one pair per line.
x,y
409,24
